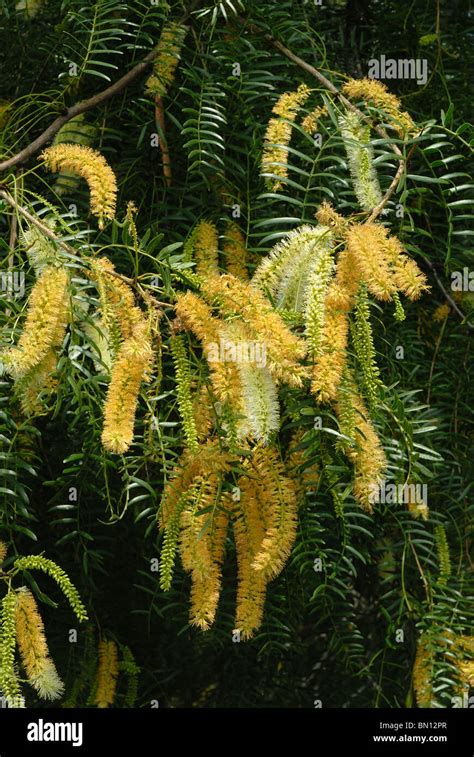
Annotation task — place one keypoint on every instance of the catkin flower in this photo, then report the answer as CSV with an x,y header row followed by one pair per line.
x,y
167,57
234,251
423,672
327,216
34,653
285,272
130,368
366,243
75,131
310,122
3,551
260,401
107,673
37,384
263,323
117,302
45,324
373,91
360,154
442,548
9,684
315,298
197,316
367,454
278,135
91,166
264,525
331,358
206,249
193,487
205,589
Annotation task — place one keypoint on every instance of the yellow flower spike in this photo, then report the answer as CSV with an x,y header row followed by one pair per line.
x,y
367,454
360,154
91,166
129,370
206,249
330,362
164,66
117,300
373,91
204,412
278,135
367,244
234,251
197,316
205,588
327,216
194,487
3,551
423,672
311,121
38,383
408,278
34,653
209,459
107,673
249,532
278,497
45,324
285,273
264,530
283,348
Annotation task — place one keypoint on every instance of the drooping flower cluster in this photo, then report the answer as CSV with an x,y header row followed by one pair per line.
x,y
278,135
107,673
360,154
375,92
167,58
34,653
133,359
83,161
32,362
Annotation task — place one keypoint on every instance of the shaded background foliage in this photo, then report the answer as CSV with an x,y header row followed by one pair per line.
x,y
328,635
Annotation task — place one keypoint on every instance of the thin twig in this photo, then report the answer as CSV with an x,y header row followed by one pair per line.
x,y
51,235
448,297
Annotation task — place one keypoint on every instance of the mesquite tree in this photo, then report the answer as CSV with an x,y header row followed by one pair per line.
x,y
235,354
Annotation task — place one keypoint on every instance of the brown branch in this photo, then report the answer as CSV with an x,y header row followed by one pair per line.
x,y
163,142
91,102
76,110
401,167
